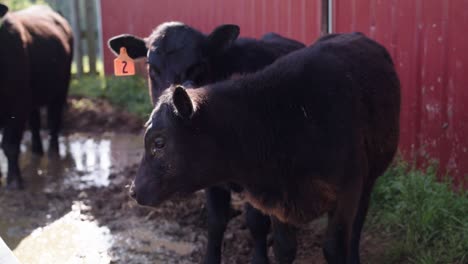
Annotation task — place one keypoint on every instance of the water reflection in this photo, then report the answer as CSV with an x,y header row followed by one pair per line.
x,y
69,239
85,160
40,227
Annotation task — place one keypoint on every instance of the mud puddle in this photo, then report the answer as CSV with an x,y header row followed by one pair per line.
x,y
48,222
85,160
75,208
69,239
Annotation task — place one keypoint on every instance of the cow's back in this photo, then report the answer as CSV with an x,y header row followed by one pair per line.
x,y
373,72
338,96
15,92
50,47
250,55
280,45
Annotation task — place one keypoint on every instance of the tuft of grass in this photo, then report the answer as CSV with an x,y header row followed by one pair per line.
x,y
427,220
99,66
88,86
15,5
130,93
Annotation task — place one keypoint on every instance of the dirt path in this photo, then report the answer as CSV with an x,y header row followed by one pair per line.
x,y
76,209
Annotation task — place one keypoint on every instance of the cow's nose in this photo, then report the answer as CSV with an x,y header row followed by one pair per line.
x,y
131,190
188,84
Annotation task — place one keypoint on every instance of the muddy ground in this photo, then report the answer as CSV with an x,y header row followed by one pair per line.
x,y
75,209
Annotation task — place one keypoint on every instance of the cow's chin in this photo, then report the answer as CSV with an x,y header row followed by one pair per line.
x,y
153,195
152,199
157,201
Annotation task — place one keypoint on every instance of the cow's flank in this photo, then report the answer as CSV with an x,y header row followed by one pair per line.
x,y
309,134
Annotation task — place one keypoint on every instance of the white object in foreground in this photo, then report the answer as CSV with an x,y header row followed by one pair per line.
x,y
6,256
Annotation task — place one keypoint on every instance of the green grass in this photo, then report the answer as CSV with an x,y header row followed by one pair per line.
x,y
426,219
99,66
130,92
14,5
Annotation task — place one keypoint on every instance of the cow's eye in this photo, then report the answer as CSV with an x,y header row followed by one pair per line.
x,y
157,146
159,143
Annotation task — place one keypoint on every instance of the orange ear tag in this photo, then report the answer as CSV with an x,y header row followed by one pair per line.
x,y
123,64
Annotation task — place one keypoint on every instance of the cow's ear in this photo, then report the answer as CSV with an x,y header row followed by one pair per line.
x,y
182,102
3,10
136,47
222,37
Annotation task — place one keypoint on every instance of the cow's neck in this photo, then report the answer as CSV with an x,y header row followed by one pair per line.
x,y
244,139
245,125
227,120
244,56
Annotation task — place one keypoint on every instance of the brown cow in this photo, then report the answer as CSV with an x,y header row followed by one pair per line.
x,y
35,60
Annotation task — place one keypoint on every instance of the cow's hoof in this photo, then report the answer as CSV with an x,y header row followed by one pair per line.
x,y
212,261
37,150
53,153
233,213
15,185
260,260
53,147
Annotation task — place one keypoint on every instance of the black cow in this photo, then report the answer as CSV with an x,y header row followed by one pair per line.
x,y
307,135
180,54
35,61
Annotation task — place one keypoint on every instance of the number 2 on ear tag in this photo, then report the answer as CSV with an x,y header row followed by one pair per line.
x,y
123,64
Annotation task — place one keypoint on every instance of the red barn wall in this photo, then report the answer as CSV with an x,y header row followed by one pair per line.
x,y
429,43
297,19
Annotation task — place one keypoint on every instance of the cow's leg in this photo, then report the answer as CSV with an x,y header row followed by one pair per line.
x,y
337,247
0,172
12,135
285,241
54,118
359,221
259,226
218,201
337,244
35,126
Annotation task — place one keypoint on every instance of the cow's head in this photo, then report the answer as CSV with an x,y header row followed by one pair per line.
x,y
3,10
177,54
180,155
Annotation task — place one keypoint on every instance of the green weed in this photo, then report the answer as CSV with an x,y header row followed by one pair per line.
x,y
427,220
14,5
130,93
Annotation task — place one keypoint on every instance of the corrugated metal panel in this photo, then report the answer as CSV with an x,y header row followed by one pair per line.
x,y
428,41
297,19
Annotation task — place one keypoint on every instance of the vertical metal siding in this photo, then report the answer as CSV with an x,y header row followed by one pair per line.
x,y
297,19
428,40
